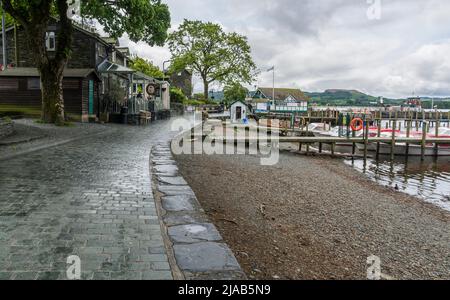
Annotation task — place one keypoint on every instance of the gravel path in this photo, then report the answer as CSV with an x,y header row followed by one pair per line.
x,y
315,218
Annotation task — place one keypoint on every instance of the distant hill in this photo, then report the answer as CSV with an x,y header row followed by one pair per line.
x,y
340,97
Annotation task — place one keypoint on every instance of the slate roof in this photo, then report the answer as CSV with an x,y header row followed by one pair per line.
x,y
282,94
33,72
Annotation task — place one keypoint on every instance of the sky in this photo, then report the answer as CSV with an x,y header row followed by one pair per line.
x,y
390,48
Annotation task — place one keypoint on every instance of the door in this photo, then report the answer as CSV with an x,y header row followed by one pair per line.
x,y
91,97
238,113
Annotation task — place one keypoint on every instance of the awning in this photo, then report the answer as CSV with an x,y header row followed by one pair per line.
x,y
112,68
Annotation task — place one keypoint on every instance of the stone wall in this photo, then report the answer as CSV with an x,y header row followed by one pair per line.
x,y
6,128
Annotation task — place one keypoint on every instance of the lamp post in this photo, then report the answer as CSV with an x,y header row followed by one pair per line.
x,y
164,68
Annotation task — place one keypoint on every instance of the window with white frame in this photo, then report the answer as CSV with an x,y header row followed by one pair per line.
x,y
50,41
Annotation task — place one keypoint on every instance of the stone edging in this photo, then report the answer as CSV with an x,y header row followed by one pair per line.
x,y
197,248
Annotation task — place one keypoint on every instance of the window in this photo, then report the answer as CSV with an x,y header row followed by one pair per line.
x,y
34,84
50,41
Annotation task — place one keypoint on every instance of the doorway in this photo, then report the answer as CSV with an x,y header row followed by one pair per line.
x,y
238,113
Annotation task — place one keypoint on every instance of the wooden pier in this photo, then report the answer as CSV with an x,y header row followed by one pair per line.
x,y
304,137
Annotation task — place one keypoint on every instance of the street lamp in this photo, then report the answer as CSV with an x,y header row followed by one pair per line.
x,y
164,68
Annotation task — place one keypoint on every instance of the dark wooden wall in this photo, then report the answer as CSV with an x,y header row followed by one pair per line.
x,y
84,54
19,94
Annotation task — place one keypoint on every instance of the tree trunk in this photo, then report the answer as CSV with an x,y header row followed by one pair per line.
x,y
52,95
206,88
50,67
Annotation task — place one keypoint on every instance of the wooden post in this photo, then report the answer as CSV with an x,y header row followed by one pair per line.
x,y
333,147
408,134
436,147
307,134
354,144
424,140
378,135
366,140
394,128
320,147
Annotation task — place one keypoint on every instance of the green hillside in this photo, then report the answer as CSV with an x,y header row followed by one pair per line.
x,y
341,97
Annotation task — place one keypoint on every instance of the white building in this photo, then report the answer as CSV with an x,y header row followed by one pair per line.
x,y
238,112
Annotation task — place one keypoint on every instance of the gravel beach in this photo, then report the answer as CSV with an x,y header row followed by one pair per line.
x,y
316,218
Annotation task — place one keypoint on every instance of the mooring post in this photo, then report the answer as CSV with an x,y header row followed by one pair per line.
x,y
424,140
366,139
394,128
436,147
408,134
378,135
354,144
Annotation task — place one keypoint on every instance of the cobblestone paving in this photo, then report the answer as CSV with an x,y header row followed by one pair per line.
x,y
90,198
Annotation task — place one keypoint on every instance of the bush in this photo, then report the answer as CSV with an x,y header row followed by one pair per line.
x,y
177,95
194,102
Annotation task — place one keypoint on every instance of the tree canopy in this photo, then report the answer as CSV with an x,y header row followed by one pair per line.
x,y
142,20
234,92
211,53
146,67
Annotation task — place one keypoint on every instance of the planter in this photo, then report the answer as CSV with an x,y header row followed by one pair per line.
x,y
104,117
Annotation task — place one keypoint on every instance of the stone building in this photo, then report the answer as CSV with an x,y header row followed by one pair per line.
x,y
183,81
97,69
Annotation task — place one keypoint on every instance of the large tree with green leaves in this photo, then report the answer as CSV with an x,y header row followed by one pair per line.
x,y
144,66
234,92
214,55
143,20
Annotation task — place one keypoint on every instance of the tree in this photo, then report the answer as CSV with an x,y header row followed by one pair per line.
x,y
234,92
211,53
146,67
177,95
143,20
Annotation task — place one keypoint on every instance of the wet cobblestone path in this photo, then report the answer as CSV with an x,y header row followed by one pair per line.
x,y
90,198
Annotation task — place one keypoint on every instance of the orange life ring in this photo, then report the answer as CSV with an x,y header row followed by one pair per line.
x,y
357,124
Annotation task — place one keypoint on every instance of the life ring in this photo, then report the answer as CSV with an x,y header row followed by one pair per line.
x,y
357,124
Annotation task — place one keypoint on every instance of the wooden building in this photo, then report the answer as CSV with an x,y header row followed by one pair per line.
x,y
286,100
21,87
96,79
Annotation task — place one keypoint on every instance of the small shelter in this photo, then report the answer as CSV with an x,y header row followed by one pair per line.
x,y
238,111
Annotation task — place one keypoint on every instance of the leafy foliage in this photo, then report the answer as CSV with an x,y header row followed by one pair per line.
x,y
142,20
146,67
234,92
211,53
177,95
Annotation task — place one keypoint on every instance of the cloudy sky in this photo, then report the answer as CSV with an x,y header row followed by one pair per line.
x,y
383,47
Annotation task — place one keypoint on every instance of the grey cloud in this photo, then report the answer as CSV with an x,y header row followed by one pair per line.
x,y
320,44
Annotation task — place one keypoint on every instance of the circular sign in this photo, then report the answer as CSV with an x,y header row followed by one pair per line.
x,y
151,89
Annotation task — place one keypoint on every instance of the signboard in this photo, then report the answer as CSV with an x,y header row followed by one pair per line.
x,y
151,90
261,106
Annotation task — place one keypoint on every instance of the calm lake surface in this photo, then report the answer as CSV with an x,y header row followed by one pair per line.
x,y
428,180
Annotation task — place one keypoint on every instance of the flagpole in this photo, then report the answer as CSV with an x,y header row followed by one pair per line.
x,y
3,37
273,87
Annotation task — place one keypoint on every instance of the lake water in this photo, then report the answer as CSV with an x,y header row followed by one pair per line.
x,y
428,180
